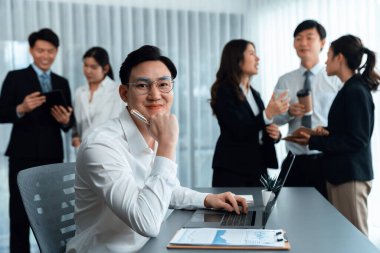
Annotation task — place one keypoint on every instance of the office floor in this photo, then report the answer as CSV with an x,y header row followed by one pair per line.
x,y
4,221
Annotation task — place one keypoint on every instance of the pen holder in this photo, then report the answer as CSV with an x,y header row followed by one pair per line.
x,y
266,195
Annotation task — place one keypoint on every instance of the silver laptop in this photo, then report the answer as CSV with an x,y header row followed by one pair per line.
x,y
257,217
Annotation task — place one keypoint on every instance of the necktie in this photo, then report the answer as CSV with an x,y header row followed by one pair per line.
x,y
306,120
45,84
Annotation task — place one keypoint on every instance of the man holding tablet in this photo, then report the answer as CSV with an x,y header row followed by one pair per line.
x,y
36,134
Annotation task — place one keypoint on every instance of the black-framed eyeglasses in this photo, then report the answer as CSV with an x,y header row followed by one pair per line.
x,y
144,85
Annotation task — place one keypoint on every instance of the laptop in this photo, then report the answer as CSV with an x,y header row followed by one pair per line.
x,y
257,217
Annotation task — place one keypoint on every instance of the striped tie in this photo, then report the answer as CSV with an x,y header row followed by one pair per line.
x,y
45,84
306,120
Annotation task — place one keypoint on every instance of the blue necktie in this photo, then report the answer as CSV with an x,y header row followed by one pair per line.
x,y
306,120
45,84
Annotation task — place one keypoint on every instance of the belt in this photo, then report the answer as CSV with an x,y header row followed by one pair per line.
x,y
312,156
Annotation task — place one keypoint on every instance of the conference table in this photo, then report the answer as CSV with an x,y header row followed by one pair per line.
x,y
312,224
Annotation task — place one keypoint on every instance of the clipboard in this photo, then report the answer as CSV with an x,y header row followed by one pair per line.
x,y
177,246
55,97
191,244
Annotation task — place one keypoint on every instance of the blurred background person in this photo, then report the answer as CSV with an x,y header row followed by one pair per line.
x,y
245,147
98,100
310,77
347,157
36,132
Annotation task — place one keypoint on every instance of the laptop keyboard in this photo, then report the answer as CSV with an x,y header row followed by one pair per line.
x,y
233,219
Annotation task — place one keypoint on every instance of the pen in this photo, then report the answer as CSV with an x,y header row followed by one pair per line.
x,y
139,116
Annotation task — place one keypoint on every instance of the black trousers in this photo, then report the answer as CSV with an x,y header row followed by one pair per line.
x,y
228,178
307,171
19,223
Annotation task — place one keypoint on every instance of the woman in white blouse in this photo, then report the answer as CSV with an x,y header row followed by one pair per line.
x,y
98,100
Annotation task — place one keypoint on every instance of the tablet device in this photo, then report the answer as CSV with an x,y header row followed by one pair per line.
x,y
55,97
297,133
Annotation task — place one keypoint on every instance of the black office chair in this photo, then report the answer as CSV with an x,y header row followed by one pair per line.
x,y
48,195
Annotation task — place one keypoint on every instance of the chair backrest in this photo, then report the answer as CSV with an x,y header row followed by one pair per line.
x,y
48,195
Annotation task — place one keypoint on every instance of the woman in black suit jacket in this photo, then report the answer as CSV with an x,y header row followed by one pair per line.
x,y
346,144
245,147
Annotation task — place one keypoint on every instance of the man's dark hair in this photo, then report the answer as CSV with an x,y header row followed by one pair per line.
x,y
143,54
44,34
309,24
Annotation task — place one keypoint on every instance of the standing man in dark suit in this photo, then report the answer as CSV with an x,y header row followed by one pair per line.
x,y
36,134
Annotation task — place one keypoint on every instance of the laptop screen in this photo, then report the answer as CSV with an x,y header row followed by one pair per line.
x,y
256,218
285,168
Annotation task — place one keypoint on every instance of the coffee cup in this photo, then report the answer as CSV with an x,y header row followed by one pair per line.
x,y
304,98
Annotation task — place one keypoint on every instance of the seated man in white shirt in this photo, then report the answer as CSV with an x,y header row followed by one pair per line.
x,y
126,171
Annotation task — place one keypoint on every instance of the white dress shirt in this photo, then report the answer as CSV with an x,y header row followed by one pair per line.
x,y
105,104
123,190
255,108
323,92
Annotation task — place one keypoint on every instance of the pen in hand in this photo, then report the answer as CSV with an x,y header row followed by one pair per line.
x,y
139,116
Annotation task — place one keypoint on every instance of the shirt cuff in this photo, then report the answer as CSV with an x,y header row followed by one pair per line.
x,y
289,116
266,120
164,167
20,115
199,199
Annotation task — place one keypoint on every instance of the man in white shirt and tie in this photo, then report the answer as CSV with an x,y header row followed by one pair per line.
x,y
309,39
125,178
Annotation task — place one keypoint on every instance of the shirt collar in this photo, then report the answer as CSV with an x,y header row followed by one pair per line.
x,y
132,134
39,71
314,70
242,88
105,82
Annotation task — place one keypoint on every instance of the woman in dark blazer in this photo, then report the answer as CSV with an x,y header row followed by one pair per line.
x,y
245,148
346,144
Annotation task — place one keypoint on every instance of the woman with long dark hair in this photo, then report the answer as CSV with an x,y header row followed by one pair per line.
x,y
245,148
98,100
346,144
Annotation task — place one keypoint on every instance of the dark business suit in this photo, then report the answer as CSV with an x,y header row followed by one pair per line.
x,y
35,140
238,152
347,149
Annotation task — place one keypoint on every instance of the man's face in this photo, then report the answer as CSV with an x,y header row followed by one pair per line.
x,y
43,53
154,101
308,44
